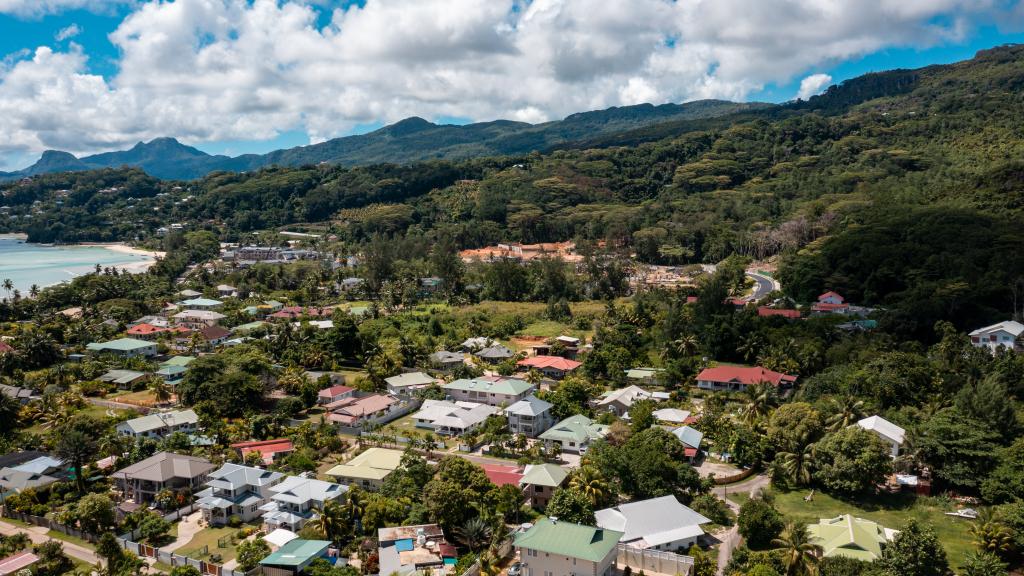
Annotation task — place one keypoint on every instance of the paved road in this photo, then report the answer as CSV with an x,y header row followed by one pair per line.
x,y
38,535
731,539
763,286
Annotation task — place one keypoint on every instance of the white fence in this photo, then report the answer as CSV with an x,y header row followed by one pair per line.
x,y
655,561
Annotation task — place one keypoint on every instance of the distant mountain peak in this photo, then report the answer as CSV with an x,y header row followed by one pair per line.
x,y
409,125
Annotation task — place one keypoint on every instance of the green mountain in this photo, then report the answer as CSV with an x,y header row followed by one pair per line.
x,y
410,140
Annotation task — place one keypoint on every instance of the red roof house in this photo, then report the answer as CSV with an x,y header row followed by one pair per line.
x,y
334,393
830,297
552,366
737,378
267,449
765,311
501,475
144,331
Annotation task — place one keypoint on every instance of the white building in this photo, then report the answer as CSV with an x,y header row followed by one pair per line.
x,y
160,424
556,548
530,416
658,523
1004,334
235,490
293,502
409,382
452,418
888,432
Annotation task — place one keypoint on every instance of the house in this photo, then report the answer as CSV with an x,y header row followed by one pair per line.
x,y
1006,334
850,537
124,379
153,320
160,424
502,475
554,367
529,416
235,490
671,416
269,450
334,394
298,312
200,304
21,395
830,303
477,343
409,382
691,439
452,418
495,354
493,390
226,291
142,481
145,331
124,347
557,548
294,501
444,360
295,556
15,563
171,374
657,523
540,481
573,434
646,376
355,412
197,319
36,470
767,311
369,469
187,293
419,549
351,284
889,433
430,285
619,401
214,335
737,378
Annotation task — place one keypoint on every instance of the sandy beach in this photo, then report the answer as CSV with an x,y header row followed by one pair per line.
x,y
132,267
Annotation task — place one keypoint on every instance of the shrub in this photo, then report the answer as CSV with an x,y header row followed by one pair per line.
x,y
759,523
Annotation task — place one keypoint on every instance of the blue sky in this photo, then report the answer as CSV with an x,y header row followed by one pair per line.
x,y
116,72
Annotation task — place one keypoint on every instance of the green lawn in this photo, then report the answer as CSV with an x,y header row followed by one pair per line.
x,y
58,535
889,510
209,537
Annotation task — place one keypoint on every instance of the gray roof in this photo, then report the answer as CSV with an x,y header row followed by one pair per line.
x,y
496,351
299,490
690,437
444,357
163,466
410,379
121,376
656,521
159,420
235,476
529,406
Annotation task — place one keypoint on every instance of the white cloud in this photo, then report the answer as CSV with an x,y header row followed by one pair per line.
x,y
208,70
813,85
68,32
37,8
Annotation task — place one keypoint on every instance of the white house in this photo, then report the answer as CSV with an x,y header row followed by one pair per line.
x,y
235,490
409,382
160,424
530,416
658,523
556,548
1004,334
293,501
888,432
452,418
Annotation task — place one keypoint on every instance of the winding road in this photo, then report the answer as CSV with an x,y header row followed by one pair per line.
x,y
731,539
763,286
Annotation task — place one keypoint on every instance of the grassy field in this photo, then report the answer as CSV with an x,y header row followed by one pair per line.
x,y
208,537
890,511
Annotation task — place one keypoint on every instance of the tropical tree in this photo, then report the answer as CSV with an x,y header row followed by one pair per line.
x,y
589,481
989,534
848,410
798,464
160,389
983,564
799,555
330,520
475,534
761,399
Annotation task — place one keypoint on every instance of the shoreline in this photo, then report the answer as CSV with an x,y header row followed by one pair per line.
x,y
120,248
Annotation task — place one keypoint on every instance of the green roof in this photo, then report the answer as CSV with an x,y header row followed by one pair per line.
x,y
373,464
508,386
576,428
121,344
567,539
250,326
544,475
850,537
178,361
298,552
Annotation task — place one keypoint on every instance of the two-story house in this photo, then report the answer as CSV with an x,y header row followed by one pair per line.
x,y
235,490
530,416
141,481
556,548
294,501
160,424
493,390
1009,335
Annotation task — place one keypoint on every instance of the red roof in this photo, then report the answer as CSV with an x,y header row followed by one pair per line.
x,y
5,347
785,313
266,448
747,375
335,391
556,362
501,475
826,307
691,299
215,332
830,294
18,561
690,452
143,329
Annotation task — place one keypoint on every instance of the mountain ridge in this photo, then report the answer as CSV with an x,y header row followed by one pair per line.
x,y
409,140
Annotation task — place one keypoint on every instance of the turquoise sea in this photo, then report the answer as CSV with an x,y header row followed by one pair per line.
x,y
27,264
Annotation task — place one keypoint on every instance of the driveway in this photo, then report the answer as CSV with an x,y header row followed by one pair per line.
x,y
731,538
187,529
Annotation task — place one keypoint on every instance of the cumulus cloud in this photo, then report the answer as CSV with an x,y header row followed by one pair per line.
x,y
68,32
813,85
208,70
37,8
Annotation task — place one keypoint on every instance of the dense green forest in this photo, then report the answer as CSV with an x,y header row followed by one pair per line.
x,y
901,189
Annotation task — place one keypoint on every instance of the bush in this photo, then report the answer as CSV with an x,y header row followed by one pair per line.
x,y
713,508
234,521
759,523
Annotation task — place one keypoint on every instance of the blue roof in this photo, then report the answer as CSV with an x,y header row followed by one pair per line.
x,y
691,437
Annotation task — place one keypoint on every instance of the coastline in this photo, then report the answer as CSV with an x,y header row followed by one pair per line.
x,y
132,267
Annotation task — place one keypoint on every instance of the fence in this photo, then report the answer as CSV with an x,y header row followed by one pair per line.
x,y
50,524
181,513
172,559
720,480
119,405
655,561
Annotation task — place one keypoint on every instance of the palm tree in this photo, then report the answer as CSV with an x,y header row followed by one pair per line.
x,y
990,535
160,389
330,521
761,399
8,286
474,534
799,555
33,290
590,481
490,563
534,376
911,457
848,410
798,464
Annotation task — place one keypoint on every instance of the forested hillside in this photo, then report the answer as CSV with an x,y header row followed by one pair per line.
x,y
901,189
